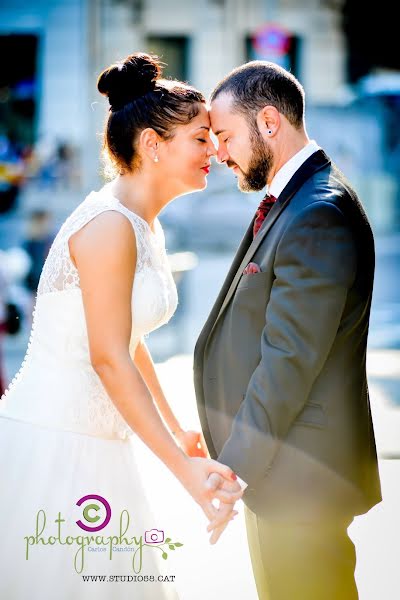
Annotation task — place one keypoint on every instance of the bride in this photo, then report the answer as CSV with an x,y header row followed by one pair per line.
x,y
72,503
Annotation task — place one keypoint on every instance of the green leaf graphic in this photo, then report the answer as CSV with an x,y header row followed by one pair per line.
x,y
164,555
178,544
167,540
171,547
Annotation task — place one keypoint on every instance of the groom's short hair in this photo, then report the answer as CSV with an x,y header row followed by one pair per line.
x,y
260,83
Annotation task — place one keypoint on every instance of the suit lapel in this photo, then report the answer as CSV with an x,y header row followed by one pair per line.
x,y
314,163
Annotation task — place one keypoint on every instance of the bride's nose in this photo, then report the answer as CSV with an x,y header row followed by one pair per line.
x,y
211,150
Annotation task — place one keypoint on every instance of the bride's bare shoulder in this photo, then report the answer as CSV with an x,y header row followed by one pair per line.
x,y
109,233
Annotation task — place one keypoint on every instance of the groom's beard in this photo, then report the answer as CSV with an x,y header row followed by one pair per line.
x,y
261,161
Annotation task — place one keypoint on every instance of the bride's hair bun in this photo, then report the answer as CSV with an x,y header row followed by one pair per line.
x,y
123,82
141,99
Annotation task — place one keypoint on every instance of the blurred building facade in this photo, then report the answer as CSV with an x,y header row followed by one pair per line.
x,y
69,42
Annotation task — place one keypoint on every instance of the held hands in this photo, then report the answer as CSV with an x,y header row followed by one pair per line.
x,y
225,512
194,445
206,479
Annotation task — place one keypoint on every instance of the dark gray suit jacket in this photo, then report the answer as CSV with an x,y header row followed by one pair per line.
x,y
280,365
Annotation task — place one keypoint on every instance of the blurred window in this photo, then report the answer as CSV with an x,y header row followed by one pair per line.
x,y
174,51
18,73
286,53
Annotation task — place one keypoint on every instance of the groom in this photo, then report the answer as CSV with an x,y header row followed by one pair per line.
x,y
280,365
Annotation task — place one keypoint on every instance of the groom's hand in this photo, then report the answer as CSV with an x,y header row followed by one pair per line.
x,y
225,512
227,491
195,478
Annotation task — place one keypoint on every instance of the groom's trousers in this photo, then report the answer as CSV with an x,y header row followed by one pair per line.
x,y
295,560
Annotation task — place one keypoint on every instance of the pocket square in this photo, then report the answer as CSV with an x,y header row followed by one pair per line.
x,y
251,268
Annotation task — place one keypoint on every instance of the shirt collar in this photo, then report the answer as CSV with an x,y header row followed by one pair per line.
x,y
286,172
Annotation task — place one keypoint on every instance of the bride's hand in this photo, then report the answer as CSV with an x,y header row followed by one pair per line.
x,y
192,443
195,480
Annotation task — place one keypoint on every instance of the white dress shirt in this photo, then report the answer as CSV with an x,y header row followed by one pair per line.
x,y
286,172
279,182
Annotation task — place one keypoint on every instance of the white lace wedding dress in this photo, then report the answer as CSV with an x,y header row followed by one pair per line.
x,y
62,439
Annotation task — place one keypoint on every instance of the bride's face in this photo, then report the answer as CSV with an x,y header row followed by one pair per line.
x,y
185,159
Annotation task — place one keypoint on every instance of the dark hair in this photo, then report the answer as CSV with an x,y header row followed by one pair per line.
x,y
259,83
139,98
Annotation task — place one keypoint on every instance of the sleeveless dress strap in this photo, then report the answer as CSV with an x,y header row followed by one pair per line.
x,y
59,272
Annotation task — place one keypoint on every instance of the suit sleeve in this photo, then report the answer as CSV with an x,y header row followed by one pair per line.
x,y
314,268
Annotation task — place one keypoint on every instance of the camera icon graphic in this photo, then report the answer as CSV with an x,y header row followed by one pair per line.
x,y
154,536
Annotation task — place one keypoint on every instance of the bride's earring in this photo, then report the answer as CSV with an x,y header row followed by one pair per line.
x,y
156,159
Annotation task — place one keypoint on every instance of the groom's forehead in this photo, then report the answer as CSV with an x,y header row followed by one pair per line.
x,y
222,114
221,106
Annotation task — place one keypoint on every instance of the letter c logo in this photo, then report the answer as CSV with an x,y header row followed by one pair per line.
x,y
95,518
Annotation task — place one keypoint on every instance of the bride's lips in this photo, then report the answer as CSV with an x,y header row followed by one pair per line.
x,y
206,170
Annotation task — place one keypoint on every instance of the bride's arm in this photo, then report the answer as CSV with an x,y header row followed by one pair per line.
x,y
192,442
145,364
105,255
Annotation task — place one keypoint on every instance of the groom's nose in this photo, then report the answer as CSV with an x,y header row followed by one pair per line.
x,y
222,154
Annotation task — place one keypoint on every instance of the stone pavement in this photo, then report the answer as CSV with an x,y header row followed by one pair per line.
x,y
224,570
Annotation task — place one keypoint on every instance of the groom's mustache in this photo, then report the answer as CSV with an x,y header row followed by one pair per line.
x,y
231,164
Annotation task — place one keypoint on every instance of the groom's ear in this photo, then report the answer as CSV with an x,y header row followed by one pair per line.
x,y
268,121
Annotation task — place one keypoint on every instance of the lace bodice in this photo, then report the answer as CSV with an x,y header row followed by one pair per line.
x,y
57,385
59,273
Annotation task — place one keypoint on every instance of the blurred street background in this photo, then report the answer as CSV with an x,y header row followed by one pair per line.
x,y
51,118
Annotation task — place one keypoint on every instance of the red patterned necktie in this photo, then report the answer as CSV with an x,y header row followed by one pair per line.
x,y
265,206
